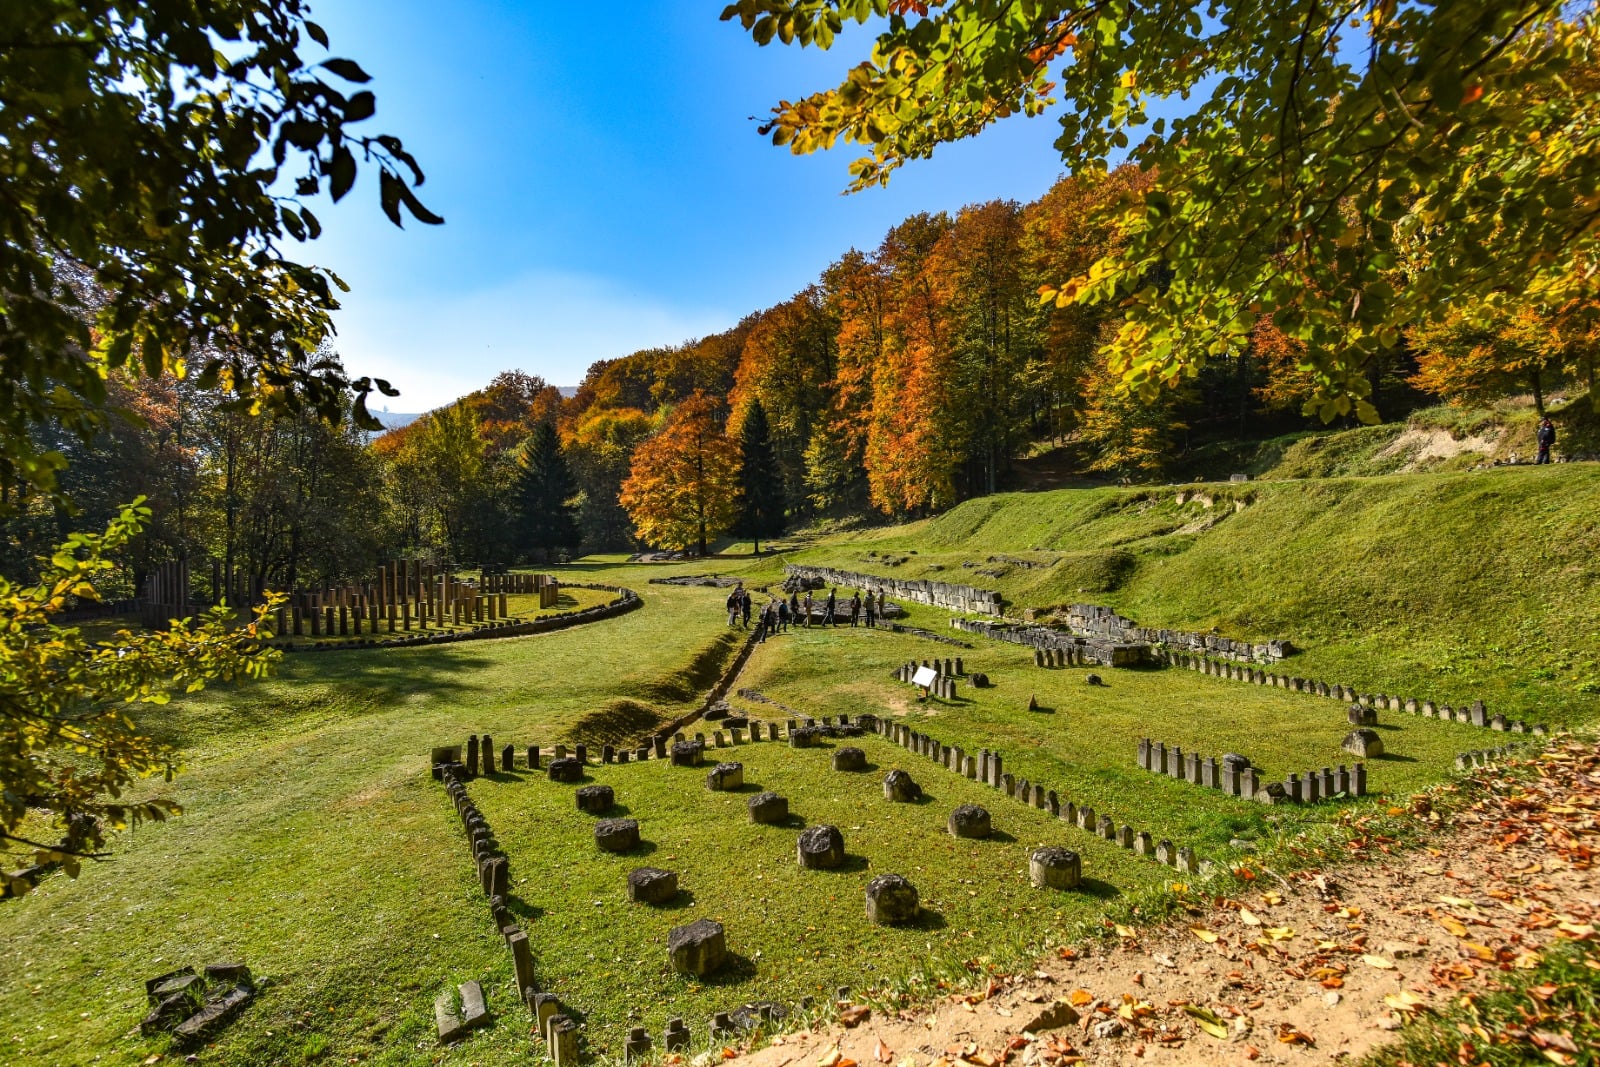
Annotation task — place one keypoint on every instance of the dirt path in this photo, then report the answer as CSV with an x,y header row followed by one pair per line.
x,y
1321,967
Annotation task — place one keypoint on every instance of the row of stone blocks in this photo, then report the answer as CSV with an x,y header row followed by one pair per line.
x,y
1475,714
1482,757
1048,644
1060,657
1234,775
989,768
627,600
478,755
947,667
494,875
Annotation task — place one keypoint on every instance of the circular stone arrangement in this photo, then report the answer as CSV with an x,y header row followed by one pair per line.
x,y
1054,868
698,948
820,847
899,787
969,820
595,798
617,835
651,885
891,899
849,759
725,776
768,808
566,769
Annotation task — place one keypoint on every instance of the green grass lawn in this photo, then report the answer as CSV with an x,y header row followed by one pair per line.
x,y
1085,745
792,932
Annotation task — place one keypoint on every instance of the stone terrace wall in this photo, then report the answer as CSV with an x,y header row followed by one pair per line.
x,y
936,594
1097,621
1105,651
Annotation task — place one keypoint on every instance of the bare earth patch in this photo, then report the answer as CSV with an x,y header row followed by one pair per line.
x,y
1322,966
1424,447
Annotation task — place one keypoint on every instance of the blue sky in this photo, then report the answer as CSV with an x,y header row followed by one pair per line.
x,y
603,185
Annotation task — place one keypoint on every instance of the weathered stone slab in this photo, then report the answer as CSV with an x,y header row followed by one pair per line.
x,y
652,885
1054,868
969,820
820,847
698,948
891,898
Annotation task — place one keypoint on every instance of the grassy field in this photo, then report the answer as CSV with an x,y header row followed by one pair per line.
x,y
316,848
1449,587
1084,746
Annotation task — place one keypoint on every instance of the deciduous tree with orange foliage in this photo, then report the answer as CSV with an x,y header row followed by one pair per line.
x,y
682,487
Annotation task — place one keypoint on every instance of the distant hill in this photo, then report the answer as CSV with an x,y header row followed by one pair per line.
x,y
393,420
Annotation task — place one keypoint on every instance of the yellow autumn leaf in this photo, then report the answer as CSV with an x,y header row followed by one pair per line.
x,y
1208,1020
1124,931
1272,899
1455,926
1483,952
1080,997
1378,962
1280,933
1203,934
1248,917
830,1058
1458,902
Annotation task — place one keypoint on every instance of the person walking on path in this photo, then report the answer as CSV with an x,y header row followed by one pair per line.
x,y
794,608
871,614
808,609
1546,437
880,604
783,616
744,607
855,609
761,627
733,607
833,602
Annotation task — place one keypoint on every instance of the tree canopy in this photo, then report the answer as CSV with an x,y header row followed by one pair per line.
x,y
155,160
1346,169
681,488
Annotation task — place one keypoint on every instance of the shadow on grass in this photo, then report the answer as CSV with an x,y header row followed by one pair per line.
x,y
927,919
1000,836
615,811
1394,757
1042,710
735,970
1094,887
522,909
684,899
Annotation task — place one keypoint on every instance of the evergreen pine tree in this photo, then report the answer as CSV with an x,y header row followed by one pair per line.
x,y
760,498
548,519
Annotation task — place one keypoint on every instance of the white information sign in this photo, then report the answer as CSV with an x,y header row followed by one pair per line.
x,y
925,677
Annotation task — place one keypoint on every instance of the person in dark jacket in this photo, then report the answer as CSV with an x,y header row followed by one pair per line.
x,y
1546,437
833,601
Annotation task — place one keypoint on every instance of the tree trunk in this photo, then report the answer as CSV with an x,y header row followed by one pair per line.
x,y
1538,393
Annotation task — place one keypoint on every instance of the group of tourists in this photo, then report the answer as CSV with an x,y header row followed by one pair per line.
x,y
779,613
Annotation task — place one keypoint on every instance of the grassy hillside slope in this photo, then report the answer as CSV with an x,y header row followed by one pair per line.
x,y
1452,586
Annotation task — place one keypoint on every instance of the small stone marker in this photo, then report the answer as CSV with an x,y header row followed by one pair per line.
x,y
447,1019
698,949
687,753
820,847
637,1045
1363,743
849,759
969,820
725,776
1054,868
595,799
563,1041
1093,679
676,1036
891,899
474,1012
768,808
617,835
652,885
899,787
565,769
